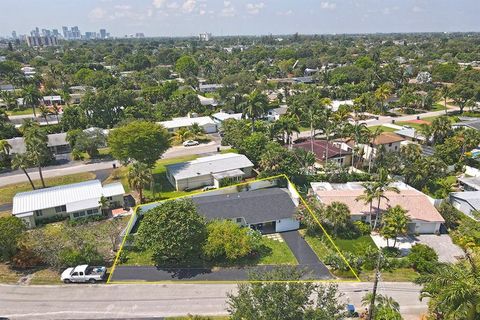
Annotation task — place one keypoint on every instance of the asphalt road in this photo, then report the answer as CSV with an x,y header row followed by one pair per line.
x,y
79,301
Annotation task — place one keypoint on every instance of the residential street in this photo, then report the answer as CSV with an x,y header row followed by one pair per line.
x,y
151,300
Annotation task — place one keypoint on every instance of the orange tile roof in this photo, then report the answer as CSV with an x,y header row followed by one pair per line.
x,y
416,203
387,137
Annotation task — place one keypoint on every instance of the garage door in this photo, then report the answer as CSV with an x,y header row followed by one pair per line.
x,y
426,227
286,225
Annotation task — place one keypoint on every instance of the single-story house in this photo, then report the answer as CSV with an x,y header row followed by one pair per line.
x,y
467,202
209,87
7,87
472,123
335,153
410,134
207,123
74,200
267,210
337,103
276,113
29,72
209,171
221,116
470,183
57,143
52,100
424,217
204,101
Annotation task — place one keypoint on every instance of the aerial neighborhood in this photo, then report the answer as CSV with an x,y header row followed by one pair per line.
x,y
226,159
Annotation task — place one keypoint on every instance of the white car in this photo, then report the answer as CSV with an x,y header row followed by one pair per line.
x,y
207,188
190,143
84,273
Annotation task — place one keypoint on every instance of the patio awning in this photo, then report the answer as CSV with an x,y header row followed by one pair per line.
x,y
228,174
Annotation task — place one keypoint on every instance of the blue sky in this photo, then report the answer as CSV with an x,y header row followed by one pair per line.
x,y
233,17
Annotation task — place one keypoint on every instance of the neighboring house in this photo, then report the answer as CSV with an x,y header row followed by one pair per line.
x,y
221,116
424,217
206,123
204,101
334,154
57,143
72,200
337,103
389,140
29,72
52,100
267,210
276,113
7,87
209,171
467,202
209,87
410,134
469,183
472,123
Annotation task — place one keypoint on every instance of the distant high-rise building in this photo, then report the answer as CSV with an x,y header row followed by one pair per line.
x,y
76,33
205,36
55,33
14,34
65,32
139,35
103,33
41,41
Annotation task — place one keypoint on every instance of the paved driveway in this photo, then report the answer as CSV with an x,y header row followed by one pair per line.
x,y
307,259
447,251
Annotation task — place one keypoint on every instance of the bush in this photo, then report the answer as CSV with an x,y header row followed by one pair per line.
x,y
87,255
363,228
52,219
423,258
86,220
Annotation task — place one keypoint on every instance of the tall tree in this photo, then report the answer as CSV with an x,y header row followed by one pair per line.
x,y
37,150
21,161
139,175
31,97
382,184
395,222
255,106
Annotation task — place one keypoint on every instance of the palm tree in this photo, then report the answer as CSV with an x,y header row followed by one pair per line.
x,y
31,97
139,175
453,290
373,135
9,99
426,131
445,93
103,203
196,130
183,134
382,185
395,222
337,213
255,106
368,196
288,125
44,112
5,147
382,94
21,161
359,133
36,144
441,129
314,112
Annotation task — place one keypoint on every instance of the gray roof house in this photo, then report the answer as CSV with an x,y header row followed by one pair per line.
x,y
472,123
467,202
209,171
72,200
269,210
470,183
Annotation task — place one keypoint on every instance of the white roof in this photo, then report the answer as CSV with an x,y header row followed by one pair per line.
x,y
75,196
337,103
52,98
113,189
204,101
186,122
222,116
209,165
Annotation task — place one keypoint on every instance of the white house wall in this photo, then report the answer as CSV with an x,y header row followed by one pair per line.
x,y
286,225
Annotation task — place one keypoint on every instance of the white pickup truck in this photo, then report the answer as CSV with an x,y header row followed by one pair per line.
x,y
84,273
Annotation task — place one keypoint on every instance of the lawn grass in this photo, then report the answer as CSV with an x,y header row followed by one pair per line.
x,y
8,275
355,246
318,245
7,192
382,128
23,112
414,125
46,276
5,214
119,175
397,275
273,252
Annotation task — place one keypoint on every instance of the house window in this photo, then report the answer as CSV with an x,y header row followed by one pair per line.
x,y
78,214
239,220
60,209
109,198
389,144
89,211
396,148
95,210
38,213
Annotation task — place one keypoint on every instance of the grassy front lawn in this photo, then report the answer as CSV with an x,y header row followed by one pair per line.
x,y
416,126
199,318
119,174
382,128
397,275
22,112
355,246
7,192
272,253
8,275
46,276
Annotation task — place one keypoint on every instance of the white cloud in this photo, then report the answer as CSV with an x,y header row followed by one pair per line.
x,y
328,5
189,5
159,3
254,8
228,10
97,13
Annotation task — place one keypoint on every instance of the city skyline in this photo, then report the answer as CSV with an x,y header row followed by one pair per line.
x,y
242,17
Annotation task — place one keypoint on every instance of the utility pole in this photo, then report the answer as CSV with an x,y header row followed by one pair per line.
x,y
375,285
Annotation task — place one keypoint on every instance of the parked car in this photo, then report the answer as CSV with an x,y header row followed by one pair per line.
x,y
84,273
209,188
190,143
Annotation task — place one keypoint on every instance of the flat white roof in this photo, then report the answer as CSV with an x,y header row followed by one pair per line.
x,y
209,165
113,189
222,116
75,196
186,122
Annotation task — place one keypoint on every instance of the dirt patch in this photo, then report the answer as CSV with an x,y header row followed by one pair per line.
x,y
419,121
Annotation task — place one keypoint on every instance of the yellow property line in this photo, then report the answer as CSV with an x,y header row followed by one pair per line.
x,y
226,281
